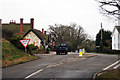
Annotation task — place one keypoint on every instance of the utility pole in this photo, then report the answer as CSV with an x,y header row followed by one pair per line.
x,y
101,32
101,41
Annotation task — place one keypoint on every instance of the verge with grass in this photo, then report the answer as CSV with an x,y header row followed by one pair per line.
x,y
106,53
12,55
109,75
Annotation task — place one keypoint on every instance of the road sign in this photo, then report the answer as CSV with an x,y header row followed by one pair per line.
x,y
25,42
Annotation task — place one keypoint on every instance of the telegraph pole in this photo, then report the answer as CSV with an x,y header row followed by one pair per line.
x,y
101,32
101,41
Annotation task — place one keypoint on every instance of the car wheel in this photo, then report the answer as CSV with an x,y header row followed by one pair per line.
x,y
66,53
57,53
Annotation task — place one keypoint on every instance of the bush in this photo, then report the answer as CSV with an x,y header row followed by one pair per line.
x,y
15,41
32,47
42,51
7,34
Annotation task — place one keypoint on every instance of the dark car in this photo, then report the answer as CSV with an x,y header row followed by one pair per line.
x,y
62,49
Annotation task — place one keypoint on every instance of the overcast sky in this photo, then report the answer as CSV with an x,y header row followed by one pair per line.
x,y
50,12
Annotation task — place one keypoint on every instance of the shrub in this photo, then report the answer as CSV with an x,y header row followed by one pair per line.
x,y
32,47
41,51
15,41
7,34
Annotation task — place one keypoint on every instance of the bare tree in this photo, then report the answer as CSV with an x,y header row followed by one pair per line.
x,y
110,7
73,35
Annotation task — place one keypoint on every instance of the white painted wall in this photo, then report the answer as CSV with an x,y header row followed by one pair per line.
x,y
119,20
116,40
33,39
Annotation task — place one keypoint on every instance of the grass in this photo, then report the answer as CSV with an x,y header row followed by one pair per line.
x,y
106,53
110,53
15,28
11,55
110,75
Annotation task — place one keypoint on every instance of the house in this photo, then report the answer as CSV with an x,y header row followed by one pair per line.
x,y
116,38
26,30
36,37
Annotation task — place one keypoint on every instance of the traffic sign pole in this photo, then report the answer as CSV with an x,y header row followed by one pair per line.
x,y
25,50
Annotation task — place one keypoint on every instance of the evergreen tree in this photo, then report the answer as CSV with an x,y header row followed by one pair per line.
x,y
106,38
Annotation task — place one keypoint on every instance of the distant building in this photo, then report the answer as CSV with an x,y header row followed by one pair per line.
x,y
116,38
26,30
36,37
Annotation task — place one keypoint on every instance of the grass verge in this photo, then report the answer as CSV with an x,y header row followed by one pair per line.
x,y
106,53
11,55
109,75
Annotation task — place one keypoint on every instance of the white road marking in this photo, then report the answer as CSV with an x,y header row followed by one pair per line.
x,y
112,65
83,58
116,66
53,65
33,73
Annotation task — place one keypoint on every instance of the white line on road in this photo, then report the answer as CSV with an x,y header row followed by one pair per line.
x,y
33,73
116,66
53,65
111,65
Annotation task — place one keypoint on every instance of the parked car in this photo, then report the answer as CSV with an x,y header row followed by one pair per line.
x,y
61,49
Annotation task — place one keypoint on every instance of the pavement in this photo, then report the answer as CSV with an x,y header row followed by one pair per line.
x,y
61,66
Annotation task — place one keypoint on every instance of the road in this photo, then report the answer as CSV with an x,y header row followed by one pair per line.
x,y
61,66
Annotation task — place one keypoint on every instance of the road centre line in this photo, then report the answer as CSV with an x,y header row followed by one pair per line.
x,y
33,73
111,65
116,66
52,65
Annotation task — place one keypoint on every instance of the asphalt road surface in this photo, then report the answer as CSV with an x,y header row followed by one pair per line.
x,y
61,66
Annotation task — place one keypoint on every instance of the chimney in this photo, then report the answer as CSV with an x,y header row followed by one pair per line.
x,y
45,32
32,23
42,31
12,21
0,21
21,25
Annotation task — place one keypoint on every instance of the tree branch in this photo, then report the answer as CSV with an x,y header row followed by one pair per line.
x,y
111,3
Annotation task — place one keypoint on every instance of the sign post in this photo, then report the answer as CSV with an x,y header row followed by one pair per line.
x,y
25,50
25,43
